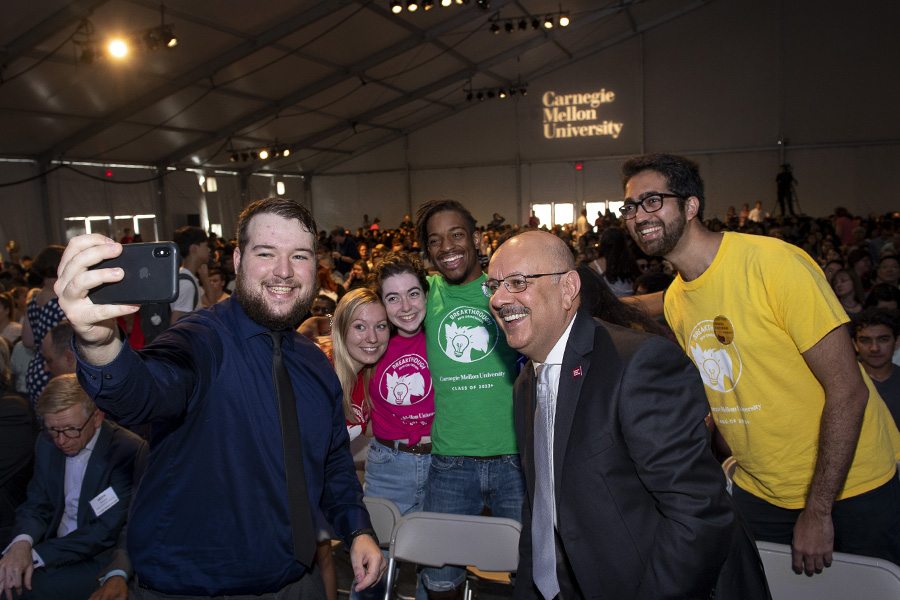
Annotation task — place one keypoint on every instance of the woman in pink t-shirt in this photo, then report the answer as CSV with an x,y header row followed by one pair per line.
x,y
400,389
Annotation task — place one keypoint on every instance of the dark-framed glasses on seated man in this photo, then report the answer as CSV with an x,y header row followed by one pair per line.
x,y
69,432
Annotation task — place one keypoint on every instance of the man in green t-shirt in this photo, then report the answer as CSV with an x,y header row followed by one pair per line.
x,y
475,457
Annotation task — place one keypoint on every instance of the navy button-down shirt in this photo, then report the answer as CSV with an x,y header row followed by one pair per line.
x,y
211,514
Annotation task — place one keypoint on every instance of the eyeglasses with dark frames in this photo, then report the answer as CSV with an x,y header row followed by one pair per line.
x,y
650,204
69,432
514,283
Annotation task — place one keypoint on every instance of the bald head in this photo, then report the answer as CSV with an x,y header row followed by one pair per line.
x,y
534,318
549,247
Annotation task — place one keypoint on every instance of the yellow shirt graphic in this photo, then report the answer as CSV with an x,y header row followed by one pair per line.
x,y
745,322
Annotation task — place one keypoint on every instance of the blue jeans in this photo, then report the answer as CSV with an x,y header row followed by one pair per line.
x,y
397,476
462,485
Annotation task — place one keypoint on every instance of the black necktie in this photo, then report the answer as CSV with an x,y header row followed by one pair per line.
x,y
298,500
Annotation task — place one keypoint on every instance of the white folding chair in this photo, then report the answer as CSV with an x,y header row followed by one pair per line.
x,y
849,577
437,539
384,514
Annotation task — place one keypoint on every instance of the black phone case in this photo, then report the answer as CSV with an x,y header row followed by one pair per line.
x,y
151,275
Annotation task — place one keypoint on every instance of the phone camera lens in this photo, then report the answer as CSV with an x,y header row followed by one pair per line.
x,y
161,252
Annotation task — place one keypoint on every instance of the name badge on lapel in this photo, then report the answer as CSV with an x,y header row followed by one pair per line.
x,y
103,501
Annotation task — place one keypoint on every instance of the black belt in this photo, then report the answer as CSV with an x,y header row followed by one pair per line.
x,y
419,448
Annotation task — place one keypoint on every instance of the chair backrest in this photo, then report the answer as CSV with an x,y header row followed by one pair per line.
x,y
848,577
384,515
437,539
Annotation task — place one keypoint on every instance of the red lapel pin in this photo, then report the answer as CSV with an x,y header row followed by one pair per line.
x,y
576,372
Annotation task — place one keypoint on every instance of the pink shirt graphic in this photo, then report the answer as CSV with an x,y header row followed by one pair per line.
x,y
401,391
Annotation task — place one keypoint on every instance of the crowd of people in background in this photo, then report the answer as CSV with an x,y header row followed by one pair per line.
x,y
369,308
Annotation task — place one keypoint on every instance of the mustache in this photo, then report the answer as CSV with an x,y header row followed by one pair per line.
x,y
510,310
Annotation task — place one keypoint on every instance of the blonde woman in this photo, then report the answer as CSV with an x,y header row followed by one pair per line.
x,y
359,338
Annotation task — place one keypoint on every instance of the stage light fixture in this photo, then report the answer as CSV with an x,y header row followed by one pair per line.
x,y
396,6
548,22
480,96
412,5
523,25
535,23
495,29
446,2
287,152
264,154
523,91
254,155
245,157
508,27
564,20
234,158
502,93
469,96
118,48
427,4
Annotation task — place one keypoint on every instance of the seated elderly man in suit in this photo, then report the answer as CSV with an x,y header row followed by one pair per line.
x,y
624,498
77,499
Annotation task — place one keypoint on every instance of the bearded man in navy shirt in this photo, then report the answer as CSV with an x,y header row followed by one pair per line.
x,y
212,515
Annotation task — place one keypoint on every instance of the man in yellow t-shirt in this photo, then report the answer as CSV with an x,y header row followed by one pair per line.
x,y
815,444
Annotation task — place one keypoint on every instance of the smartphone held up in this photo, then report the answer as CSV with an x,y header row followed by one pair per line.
x,y
151,275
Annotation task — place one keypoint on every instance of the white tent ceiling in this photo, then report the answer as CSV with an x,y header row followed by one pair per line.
x,y
328,79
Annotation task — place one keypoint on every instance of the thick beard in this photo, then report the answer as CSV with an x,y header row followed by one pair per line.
x,y
256,308
664,246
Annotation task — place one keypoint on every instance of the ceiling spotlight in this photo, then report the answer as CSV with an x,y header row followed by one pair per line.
x,y
254,155
287,152
234,158
245,157
512,91
412,5
523,91
484,4
446,2
523,25
428,4
168,36
264,154
490,93
480,96
548,22
469,96
564,20
535,23
502,93
118,48
508,27
396,6
166,32
495,29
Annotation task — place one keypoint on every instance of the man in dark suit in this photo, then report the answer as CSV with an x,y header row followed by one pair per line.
x,y
624,498
77,500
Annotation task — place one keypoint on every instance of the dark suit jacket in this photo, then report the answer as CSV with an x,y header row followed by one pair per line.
x,y
17,430
111,464
642,509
